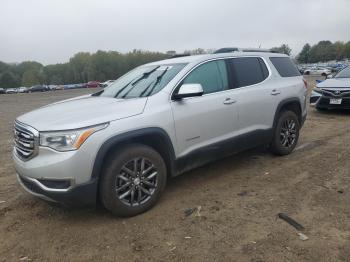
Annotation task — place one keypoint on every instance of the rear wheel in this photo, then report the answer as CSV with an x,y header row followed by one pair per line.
x,y
133,180
286,133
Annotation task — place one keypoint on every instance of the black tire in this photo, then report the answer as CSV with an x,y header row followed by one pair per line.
x,y
307,73
113,176
279,145
323,74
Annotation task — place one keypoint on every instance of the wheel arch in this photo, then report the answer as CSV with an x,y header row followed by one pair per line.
x,y
155,137
292,104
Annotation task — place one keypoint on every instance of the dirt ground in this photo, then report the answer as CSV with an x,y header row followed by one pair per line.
x,y
239,197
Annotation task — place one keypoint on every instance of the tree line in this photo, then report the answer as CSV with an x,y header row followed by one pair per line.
x,y
324,51
102,65
81,68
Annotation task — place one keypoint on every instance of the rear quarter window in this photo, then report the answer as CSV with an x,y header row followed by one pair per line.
x,y
284,66
248,71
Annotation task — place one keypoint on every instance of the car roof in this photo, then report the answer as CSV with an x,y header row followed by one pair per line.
x,y
200,58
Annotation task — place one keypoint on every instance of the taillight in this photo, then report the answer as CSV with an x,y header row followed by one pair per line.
x,y
305,83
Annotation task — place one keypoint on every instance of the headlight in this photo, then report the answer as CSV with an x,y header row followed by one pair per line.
x,y
318,90
70,139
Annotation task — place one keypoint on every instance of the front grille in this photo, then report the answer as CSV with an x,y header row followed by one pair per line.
x,y
25,140
336,93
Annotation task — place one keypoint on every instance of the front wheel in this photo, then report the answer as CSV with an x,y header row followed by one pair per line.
x,y
286,133
133,180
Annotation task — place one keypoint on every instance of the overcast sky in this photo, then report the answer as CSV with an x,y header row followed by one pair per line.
x,y
51,31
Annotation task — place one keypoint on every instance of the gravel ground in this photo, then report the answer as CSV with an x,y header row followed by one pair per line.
x,y
239,199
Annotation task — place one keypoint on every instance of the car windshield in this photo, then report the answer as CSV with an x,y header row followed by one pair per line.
x,y
142,81
345,73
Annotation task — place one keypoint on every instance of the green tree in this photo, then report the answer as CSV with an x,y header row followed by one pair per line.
x,y
8,80
347,50
304,55
30,77
283,49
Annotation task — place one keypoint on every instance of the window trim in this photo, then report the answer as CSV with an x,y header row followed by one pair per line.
x,y
178,84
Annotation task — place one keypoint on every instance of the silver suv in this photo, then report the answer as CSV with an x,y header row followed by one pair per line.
x,y
119,146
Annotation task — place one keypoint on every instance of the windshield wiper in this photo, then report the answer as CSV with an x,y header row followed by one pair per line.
x,y
123,88
144,75
155,84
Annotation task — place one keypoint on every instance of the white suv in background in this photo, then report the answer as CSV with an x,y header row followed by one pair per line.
x,y
161,119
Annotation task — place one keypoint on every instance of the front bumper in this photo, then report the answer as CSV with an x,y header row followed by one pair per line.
x,y
81,195
323,103
63,177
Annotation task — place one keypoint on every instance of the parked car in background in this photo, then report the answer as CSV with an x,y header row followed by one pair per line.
x,y
120,145
52,87
333,93
22,89
107,83
59,87
93,84
317,71
11,91
2,91
38,88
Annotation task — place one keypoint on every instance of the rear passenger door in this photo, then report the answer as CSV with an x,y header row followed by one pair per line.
x,y
256,97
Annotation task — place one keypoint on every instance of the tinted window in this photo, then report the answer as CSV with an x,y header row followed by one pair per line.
x,y
285,66
212,76
248,71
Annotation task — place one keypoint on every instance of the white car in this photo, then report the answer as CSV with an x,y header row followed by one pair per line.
x,y
22,89
317,71
107,83
11,91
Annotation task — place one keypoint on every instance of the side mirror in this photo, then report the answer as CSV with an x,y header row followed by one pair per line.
x,y
188,90
329,76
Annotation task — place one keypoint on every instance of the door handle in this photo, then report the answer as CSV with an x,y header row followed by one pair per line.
x,y
275,92
229,101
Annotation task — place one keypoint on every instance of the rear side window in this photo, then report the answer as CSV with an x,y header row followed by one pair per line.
x,y
285,66
248,71
212,76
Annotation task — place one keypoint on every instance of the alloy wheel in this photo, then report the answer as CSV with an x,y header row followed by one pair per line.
x,y
288,133
136,181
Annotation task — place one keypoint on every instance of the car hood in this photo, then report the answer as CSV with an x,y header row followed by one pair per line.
x,y
335,82
81,112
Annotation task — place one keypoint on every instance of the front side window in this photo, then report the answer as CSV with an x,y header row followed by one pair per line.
x,y
142,81
211,75
248,71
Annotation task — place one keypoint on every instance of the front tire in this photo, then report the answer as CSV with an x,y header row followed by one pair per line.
x,y
286,133
133,180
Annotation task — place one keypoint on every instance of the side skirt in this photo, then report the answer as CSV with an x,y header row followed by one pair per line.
x,y
222,149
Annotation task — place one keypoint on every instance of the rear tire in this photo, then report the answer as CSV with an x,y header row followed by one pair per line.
x,y
133,180
286,133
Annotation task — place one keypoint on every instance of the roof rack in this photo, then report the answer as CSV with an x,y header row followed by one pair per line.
x,y
180,55
235,49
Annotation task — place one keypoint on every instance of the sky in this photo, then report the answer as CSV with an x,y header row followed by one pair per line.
x,y
52,31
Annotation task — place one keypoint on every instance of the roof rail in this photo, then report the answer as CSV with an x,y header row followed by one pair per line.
x,y
180,55
226,50
235,49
